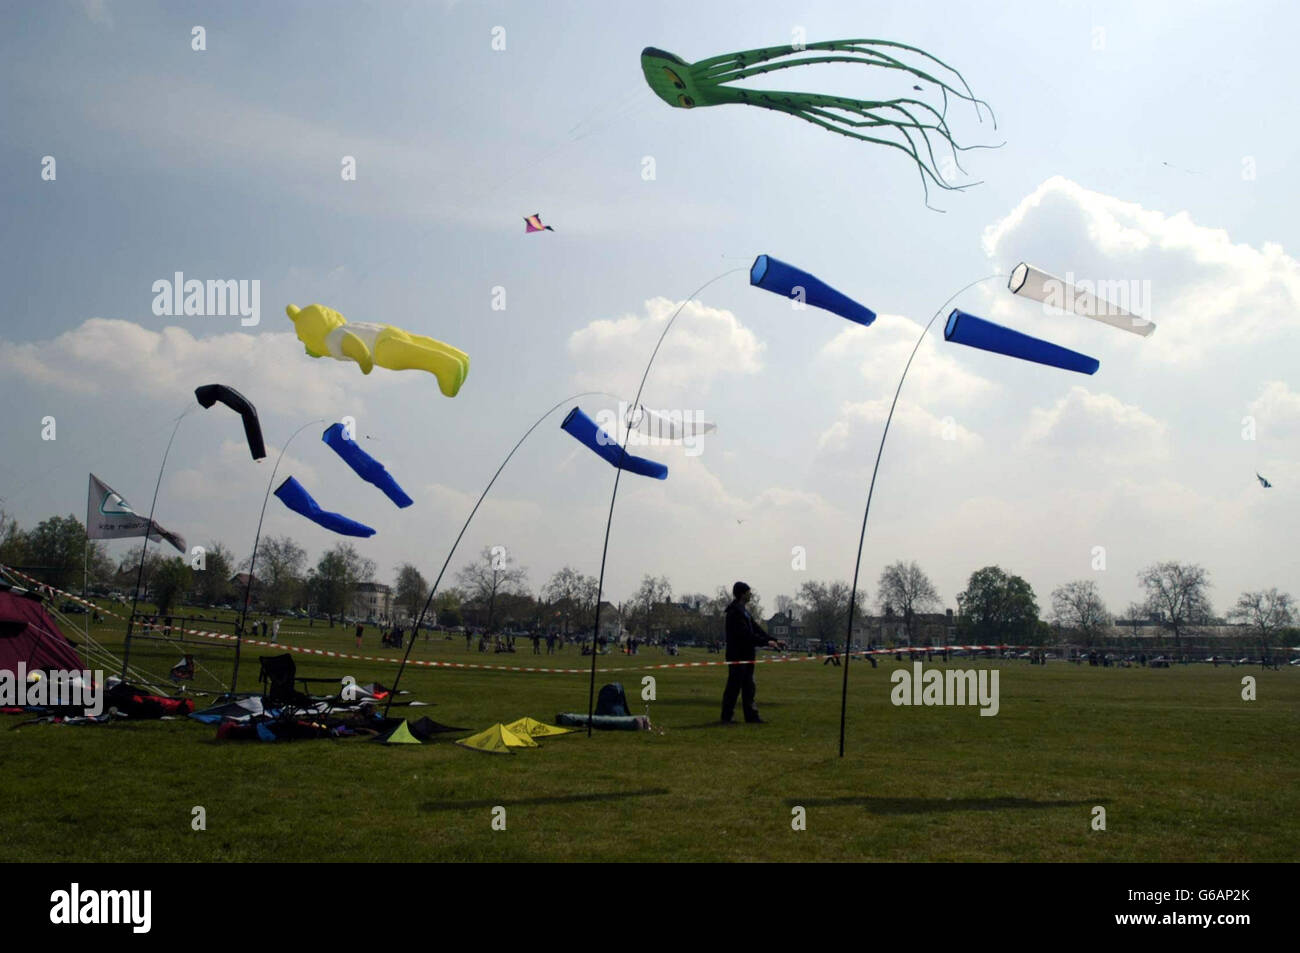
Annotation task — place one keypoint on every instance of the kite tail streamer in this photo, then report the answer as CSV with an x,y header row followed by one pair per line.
x,y
862,535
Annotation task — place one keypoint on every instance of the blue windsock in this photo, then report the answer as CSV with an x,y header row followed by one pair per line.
x,y
976,332
776,276
364,465
582,427
293,495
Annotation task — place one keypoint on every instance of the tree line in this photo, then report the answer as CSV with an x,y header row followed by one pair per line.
x,y
491,592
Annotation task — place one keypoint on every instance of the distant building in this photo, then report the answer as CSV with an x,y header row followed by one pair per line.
x,y
239,583
786,627
611,622
372,600
928,628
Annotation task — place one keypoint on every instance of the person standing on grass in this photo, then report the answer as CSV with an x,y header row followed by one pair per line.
x,y
360,629
275,630
744,636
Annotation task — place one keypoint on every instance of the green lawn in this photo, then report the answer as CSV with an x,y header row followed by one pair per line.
x,y
1185,769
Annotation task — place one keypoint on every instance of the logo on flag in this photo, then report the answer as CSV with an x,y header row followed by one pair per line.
x,y
109,516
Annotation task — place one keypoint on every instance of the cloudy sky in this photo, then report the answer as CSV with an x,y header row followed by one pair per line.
x,y
1144,143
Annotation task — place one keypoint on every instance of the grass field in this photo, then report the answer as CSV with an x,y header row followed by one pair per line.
x,y
1186,770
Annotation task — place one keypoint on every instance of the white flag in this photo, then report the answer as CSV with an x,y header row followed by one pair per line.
x,y
108,516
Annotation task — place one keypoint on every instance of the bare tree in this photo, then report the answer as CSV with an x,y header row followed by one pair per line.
x,y
1176,594
1077,605
1265,611
568,591
280,571
648,602
906,589
491,576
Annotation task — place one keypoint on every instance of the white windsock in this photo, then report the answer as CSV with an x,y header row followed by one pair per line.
x,y
674,426
1029,282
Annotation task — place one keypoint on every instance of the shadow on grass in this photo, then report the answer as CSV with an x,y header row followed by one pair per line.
x,y
555,799
936,805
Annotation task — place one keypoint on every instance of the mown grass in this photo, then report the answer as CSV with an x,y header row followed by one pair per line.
x,y
1186,770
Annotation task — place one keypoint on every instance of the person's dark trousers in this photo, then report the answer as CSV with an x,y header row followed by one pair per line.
x,y
740,681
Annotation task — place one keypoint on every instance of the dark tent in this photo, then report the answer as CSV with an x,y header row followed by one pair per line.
x,y
29,636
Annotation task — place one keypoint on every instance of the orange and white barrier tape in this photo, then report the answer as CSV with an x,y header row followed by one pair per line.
x,y
429,663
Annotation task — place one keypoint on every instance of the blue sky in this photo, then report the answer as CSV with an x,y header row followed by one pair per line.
x,y
1143,142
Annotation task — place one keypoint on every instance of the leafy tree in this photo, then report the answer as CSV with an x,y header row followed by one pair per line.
x,y
56,547
1176,593
906,589
1268,612
335,578
998,607
171,579
446,606
279,571
411,591
212,583
1077,605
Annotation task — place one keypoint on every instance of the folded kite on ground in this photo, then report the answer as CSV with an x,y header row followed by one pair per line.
x,y
209,394
584,429
535,729
497,740
326,333
364,465
776,276
293,495
976,332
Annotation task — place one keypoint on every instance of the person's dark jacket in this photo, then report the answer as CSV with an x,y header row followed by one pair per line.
x,y
743,634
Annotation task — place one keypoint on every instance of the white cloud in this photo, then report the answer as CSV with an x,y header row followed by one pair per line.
x,y
881,351
1277,410
106,357
860,423
1097,428
705,343
1208,293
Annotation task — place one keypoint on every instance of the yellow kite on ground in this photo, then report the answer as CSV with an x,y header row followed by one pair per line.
x,y
497,740
326,333
533,728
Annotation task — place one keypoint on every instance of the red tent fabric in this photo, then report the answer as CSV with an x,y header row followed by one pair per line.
x,y
29,635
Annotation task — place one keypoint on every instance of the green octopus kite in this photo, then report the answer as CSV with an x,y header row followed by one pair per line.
x,y
687,85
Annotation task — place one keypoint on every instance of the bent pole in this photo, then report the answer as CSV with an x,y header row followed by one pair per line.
x,y
433,591
252,562
144,546
857,565
618,472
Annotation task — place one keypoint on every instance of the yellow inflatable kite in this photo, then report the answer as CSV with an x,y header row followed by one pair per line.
x,y
326,333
